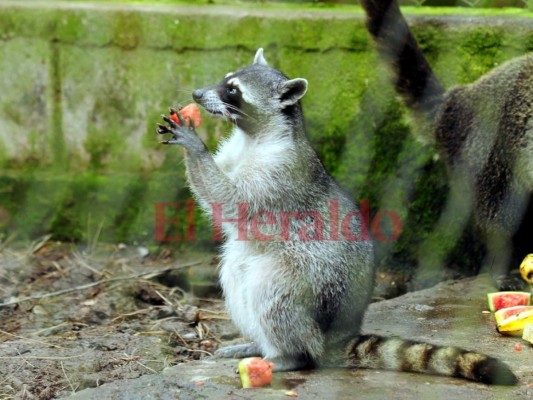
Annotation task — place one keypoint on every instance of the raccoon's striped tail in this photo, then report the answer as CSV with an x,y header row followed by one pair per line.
x,y
415,80
376,352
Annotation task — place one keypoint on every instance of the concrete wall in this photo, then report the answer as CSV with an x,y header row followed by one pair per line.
x,y
82,86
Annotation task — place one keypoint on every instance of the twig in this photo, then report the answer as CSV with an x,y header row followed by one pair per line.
x,y
24,359
42,357
30,340
145,333
83,264
68,380
147,367
131,314
164,298
146,275
37,333
39,244
211,315
200,351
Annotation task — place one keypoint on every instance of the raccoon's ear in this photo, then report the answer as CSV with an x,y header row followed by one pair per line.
x,y
259,58
292,91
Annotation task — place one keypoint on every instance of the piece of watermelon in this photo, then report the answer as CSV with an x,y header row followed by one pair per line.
x,y
515,324
505,313
499,300
528,333
255,372
190,112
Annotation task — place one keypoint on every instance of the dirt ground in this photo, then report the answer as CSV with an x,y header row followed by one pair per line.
x,y
76,318
453,312
73,318
115,312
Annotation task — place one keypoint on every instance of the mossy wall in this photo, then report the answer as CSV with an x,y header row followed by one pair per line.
x,y
83,84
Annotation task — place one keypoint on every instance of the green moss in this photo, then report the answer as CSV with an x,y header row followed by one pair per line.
x,y
527,41
127,29
71,26
431,37
483,38
89,207
391,135
97,80
479,49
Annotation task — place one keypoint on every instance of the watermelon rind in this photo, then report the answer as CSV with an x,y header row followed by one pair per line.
x,y
528,333
514,325
507,312
243,372
499,300
255,372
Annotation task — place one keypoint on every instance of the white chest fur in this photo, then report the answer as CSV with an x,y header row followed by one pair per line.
x,y
246,278
246,271
245,158
232,153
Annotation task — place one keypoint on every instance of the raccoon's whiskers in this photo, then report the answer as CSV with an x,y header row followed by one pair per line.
x,y
234,108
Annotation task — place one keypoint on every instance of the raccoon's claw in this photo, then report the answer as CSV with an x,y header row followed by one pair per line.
x,y
162,129
172,111
171,122
171,141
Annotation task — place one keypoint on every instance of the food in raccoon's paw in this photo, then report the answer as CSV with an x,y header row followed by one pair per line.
x,y
255,372
190,112
499,300
526,269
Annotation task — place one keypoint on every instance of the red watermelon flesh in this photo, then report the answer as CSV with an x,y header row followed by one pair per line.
x,y
499,300
255,372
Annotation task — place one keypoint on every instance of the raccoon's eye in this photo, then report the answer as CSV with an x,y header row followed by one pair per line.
x,y
231,91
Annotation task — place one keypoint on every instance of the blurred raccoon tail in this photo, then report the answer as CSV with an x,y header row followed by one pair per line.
x,y
376,352
414,77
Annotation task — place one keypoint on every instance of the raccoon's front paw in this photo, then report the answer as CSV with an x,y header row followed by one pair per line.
x,y
183,133
239,351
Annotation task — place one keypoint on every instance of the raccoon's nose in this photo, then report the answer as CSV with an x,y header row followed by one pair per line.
x,y
198,94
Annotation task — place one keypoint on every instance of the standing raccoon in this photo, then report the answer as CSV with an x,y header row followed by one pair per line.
x,y
297,267
483,132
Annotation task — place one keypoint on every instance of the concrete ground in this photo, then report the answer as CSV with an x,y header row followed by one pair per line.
x,y
450,313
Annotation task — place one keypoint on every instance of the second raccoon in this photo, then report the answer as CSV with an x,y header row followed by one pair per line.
x,y
483,132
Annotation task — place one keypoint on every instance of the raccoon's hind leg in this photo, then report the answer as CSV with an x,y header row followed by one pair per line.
x,y
239,351
498,262
499,213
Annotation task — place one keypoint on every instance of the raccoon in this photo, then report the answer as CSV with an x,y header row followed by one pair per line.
x,y
483,132
297,265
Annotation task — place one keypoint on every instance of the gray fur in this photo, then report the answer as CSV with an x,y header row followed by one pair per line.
x,y
300,300
483,132
298,273
491,152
